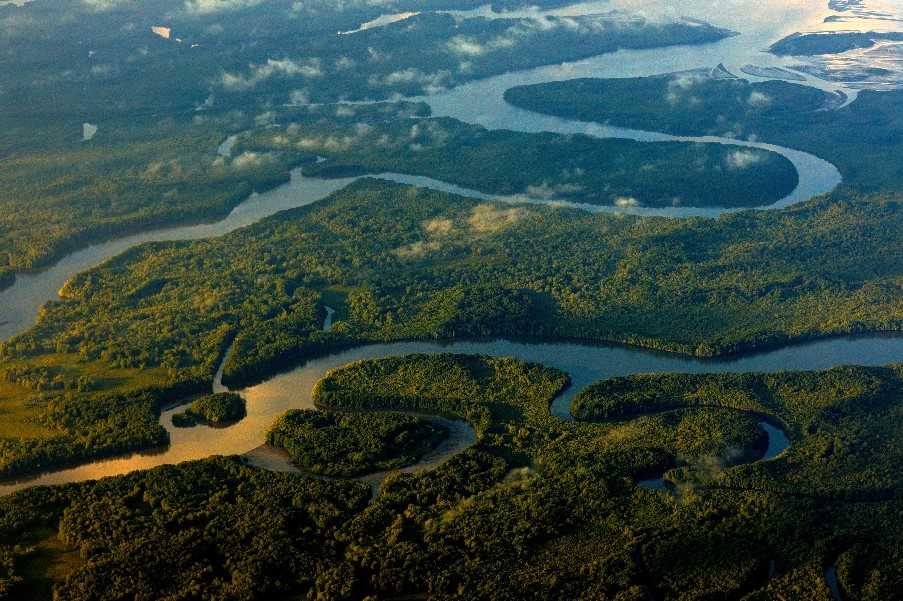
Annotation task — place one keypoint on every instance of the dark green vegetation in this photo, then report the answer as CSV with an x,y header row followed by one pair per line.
x,y
352,444
575,168
143,174
404,263
540,508
212,529
214,409
137,175
478,389
864,140
845,421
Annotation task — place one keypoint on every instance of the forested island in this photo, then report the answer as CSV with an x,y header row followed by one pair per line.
x,y
863,139
580,168
837,42
539,508
351,444
214,409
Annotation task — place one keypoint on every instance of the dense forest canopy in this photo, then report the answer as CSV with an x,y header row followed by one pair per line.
x,y
540,508
582,169
144,173
213,409
352,444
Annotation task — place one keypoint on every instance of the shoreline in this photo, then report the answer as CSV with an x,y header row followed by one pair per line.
x,y
583,364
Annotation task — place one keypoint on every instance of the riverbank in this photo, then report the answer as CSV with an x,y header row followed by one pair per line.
x,y
583,364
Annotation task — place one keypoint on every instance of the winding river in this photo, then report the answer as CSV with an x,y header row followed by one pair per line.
x,y
481,103
584,363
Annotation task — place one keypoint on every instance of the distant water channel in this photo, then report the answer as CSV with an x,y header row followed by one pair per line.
x,y
482,103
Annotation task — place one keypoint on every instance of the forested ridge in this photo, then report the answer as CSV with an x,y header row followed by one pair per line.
x,y
404,263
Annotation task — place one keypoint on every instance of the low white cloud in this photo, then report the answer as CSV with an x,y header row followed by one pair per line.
x,y
103,5
285,67
299,97
344,62
681,85
102,70
466,46
548,191
525,28
429,132
432,83
171,170
625,202
251,160
744,159
206,7
417,249
326,143
439,226
759,100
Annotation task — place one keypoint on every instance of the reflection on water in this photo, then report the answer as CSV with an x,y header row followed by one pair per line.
x,y
831,581
879,67
759,24
778,442
584,363
653,484
381,21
